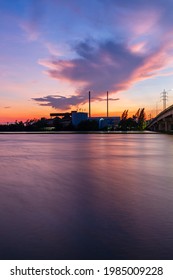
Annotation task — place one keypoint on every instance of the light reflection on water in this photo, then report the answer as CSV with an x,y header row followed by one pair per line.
x,y
90,196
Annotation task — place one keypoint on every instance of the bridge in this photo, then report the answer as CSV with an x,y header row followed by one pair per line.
x,y
163,121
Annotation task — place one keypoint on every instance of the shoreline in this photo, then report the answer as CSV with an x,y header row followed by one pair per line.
x,y
80,132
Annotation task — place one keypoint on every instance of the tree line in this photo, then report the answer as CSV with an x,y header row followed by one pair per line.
x,y
136,122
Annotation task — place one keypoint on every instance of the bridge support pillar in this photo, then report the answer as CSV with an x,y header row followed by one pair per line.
x,y
168,124
161,126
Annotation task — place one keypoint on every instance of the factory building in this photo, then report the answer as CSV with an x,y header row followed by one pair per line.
x,y
78,117
106,121
75,118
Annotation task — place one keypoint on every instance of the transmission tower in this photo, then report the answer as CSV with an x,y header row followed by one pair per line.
x,y
164,98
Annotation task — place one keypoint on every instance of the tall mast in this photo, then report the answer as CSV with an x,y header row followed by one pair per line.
x,y
107,105
89,104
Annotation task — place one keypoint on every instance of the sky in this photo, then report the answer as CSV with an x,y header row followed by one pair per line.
x,y
52,52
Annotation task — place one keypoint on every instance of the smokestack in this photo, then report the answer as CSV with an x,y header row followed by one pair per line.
x,y
89,104
107,105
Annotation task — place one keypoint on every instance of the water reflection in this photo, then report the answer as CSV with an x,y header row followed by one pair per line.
x,y
86,196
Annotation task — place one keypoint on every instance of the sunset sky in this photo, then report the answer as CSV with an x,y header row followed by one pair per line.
x,y
52,52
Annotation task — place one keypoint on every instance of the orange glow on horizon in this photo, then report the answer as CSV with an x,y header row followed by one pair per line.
x,y
10,115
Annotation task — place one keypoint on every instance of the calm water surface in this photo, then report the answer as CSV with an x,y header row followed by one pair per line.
x,y
87,196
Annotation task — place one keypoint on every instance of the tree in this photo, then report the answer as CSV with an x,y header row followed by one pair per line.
x,y
141,119
137,122
136,116
124,115
128,124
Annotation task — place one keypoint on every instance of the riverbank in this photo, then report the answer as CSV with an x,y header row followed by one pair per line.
x,y
79,132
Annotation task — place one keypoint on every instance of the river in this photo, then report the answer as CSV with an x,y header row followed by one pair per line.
x,y
86,196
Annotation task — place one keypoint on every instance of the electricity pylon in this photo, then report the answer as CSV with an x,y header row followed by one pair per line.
x,y
164,98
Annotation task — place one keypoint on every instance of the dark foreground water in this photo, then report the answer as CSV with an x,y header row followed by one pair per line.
x,y
91,196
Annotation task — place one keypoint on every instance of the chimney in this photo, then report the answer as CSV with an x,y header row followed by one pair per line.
x,y
107,106
89,104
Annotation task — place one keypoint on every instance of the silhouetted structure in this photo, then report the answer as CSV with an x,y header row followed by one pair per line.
x,y
89,96
107,105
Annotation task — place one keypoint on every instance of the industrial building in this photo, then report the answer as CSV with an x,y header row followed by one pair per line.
x,y
78,117
106,121
103,122
75,118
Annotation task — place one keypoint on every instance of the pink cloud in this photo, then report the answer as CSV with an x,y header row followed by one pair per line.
x,y
138,47
145,22
30,30
53,49
107,66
